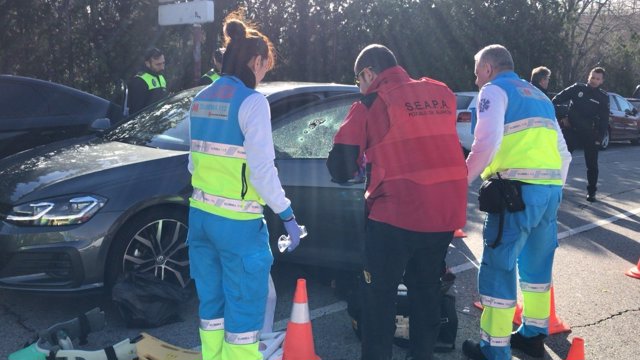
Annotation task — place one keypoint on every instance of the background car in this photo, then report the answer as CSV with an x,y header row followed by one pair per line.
x,y
635,102
35,112
76,213
465,106
624,120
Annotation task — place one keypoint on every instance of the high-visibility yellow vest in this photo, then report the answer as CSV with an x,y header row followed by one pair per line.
x,y
221,175
211,74
529,148
153,82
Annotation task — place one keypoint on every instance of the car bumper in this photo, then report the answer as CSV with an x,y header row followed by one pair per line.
x,y
54,259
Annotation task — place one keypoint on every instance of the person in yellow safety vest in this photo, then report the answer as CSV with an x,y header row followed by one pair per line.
x,y
148,86
517,137
213,74
233,177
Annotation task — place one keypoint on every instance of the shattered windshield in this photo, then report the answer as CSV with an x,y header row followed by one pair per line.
x,y
162,126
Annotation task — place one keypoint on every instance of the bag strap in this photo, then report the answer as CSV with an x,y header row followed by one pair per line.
x,y
501,222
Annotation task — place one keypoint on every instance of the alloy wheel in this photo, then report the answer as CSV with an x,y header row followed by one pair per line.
x,y
159,248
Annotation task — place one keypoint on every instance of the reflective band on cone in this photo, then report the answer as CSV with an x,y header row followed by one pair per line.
x,y
300,313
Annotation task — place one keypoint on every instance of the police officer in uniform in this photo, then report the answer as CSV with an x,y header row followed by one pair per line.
x,y
588,122
213,74
148,85
517,137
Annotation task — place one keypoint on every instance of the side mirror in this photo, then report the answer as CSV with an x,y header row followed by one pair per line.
x,y
628,112
100,125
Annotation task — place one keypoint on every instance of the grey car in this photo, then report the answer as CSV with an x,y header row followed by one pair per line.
x,y
77,213
35,112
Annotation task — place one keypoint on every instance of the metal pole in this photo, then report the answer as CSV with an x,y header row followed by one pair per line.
x,y
197,59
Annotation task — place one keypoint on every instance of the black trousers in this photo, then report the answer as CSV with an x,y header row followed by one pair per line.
x,y
587,141
390,250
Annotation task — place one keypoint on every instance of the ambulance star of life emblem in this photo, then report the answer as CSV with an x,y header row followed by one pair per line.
x,y
484,105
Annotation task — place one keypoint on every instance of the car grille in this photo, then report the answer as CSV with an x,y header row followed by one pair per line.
x,y
54,265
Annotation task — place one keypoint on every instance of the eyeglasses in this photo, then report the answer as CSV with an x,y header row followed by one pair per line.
x,y
357,79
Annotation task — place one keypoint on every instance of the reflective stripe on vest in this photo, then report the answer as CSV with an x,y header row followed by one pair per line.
x,y
153,82
529,150
531,174
530,123
219,149
245,338
242,206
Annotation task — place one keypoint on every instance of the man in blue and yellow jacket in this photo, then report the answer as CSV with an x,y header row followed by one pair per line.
x,y
518,138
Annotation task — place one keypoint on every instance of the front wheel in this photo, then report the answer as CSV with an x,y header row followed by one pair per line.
x,y
605,141
152,242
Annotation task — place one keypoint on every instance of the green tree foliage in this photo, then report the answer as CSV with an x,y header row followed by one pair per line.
x,y
93,44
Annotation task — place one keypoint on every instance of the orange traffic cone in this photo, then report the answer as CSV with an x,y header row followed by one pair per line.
x,y
556,325
298,342
576,351
634,272
459,234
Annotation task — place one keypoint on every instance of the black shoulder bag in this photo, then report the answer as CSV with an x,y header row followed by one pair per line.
x,y
497,195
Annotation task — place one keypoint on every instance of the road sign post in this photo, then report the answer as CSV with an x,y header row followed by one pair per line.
x,y
192,12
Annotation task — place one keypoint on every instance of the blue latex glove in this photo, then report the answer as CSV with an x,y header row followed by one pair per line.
x,y
294,233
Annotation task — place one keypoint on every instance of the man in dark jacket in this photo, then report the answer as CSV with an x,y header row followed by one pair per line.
x,y
588,122
540,77
149,85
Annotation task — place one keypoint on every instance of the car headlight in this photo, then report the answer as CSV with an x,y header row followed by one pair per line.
x,y
68,210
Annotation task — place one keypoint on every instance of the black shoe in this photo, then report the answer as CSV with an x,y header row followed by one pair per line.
x,y
472,350
591,197
533,346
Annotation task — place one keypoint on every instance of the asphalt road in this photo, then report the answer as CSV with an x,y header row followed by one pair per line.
x,y
598,243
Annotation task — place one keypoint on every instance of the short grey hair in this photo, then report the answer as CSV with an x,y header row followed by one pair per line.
x,y
496,55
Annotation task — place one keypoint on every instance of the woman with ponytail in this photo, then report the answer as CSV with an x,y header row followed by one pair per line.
x,y
233,177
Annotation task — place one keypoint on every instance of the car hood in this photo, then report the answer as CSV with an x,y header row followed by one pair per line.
x,y
44,167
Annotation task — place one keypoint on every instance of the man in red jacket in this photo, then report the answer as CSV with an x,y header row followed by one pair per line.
x,y
403,132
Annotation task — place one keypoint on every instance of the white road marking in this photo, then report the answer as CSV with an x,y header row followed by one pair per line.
x,y
598,223
314,314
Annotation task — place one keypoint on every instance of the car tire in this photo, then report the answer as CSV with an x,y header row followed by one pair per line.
x,y
604,144
635,141
137,246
